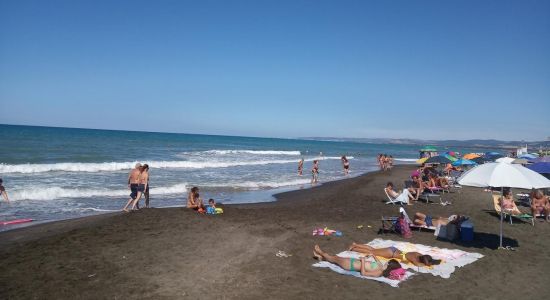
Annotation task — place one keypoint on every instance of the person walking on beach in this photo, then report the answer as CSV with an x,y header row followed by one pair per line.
x,y
133,183
315,172
345,163
3,192
300,166
146,193
143,184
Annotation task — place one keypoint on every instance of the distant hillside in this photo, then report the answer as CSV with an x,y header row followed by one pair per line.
x,y
446,143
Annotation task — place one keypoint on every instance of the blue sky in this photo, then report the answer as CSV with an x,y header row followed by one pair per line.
x,y
396,69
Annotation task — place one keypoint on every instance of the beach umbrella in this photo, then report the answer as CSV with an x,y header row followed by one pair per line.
x,y
464,162
521,161
480,160
422,160
540,167
541,159
493,156
492,153
471,156
503,175
437,160
452,153
527,156
450,157
507,160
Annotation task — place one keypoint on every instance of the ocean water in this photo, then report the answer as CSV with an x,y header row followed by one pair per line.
x,y
59,173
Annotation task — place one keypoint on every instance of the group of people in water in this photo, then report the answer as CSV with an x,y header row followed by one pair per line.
x,y
138,183
315,168
385,162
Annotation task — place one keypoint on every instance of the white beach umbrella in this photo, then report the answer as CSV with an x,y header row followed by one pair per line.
x,y
507,160
503,175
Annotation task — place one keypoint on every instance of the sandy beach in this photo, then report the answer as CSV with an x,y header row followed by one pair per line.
x,y
176,253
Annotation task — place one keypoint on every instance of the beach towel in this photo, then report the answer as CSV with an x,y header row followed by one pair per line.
x,y
338,269
451,258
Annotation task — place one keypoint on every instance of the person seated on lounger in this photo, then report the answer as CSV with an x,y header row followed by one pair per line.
x,y
539,204
415,258
367,268
405,196
507,203
418,185
427,220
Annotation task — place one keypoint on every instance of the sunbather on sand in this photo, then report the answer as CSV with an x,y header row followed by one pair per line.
x,y
540,204
507,203
426,220
405,196
415,258
367,268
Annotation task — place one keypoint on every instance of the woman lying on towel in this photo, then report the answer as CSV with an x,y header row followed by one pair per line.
x,y
415,258
375,268
405,196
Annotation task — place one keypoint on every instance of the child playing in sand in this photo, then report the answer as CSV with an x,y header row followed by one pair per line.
x,y
212,209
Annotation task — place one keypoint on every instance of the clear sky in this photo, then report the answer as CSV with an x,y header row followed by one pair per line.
x,y
395,69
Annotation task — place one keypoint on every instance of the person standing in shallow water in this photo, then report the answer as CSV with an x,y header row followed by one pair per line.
x,y
315,172
133,183
3,192
146,193
345,163
300,166
143,184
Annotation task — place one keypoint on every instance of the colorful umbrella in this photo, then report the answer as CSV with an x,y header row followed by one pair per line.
x,y
438,160
450,157
422,160
464,162
540,167
471,156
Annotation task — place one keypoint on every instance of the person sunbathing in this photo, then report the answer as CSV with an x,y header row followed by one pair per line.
x,y
507,203
427,220
539,204
366,268
415,258
405,196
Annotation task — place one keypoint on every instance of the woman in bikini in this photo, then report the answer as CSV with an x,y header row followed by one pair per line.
x,y
345,163
415,258
507,203
367,268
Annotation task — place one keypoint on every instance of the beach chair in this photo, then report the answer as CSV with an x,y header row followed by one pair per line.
x,y
428,194
507,213
388,224
411,224
392,200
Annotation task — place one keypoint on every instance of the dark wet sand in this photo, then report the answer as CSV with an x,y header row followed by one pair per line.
x,y
175,253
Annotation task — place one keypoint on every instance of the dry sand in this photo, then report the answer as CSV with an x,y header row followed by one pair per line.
x,y
175,253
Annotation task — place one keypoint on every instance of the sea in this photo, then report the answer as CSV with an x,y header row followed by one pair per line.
x,y
60,173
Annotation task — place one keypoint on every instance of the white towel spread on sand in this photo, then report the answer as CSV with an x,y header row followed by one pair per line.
x,y
452,258
338,269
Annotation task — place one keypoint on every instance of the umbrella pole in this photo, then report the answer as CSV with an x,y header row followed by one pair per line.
x,y
501,217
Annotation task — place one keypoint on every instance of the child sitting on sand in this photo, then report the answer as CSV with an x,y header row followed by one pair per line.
x,y
212,209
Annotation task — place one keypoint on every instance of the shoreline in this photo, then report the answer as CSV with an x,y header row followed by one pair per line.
x,y
175,253
272,193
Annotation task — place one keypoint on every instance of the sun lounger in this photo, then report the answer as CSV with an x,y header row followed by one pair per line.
x,y
411,224
392,200
388,223
512,214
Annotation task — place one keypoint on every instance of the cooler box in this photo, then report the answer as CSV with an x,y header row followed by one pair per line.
x,y
467,231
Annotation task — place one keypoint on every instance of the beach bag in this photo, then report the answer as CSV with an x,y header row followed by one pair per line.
x,y
404,228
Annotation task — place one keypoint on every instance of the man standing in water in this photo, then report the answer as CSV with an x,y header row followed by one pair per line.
x,y
3,192
133,183
143,186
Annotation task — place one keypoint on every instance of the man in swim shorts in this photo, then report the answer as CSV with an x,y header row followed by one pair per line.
x,y
133,183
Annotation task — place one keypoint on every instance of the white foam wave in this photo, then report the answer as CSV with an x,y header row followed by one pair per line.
x,y
52,193
255,185
406,159
119,166
253,152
